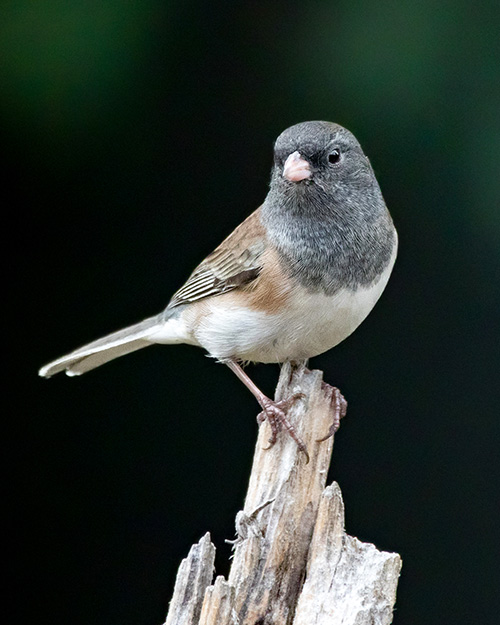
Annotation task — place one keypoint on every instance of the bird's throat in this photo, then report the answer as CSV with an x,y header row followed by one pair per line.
x,y
328,247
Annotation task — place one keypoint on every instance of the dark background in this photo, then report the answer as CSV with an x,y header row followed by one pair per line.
x,y
136,135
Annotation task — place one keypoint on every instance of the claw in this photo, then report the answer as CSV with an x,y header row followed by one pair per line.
x,y
339,409
275,413
274,424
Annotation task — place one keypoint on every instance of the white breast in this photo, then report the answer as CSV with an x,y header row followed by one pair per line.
x,y
310,324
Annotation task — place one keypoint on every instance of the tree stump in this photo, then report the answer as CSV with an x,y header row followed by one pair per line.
x,y
293,562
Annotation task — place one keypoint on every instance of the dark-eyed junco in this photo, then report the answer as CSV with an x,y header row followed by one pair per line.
x,y
291,282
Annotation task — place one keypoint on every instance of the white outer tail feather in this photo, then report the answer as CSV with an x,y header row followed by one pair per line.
x,y
107,348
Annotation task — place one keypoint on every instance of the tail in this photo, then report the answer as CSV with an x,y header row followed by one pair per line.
x,y
112,346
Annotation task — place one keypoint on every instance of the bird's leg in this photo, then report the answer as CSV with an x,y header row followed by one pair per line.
x,y
338,405
273,411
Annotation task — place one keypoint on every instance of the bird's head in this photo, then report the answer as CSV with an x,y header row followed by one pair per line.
x,y
319,158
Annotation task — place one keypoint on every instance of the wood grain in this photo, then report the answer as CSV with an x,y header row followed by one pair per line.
x,y
293,562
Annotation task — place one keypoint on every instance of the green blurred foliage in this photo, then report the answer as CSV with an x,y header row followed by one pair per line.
x,y
64,63
421,75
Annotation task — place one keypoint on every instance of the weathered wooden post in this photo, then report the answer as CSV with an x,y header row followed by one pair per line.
x,y
293,562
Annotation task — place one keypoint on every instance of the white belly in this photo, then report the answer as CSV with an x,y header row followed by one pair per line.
x,y
311,325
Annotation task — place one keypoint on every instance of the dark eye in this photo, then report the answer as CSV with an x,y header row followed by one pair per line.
x,y
334,156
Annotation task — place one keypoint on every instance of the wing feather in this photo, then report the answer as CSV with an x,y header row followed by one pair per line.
x,y
232,265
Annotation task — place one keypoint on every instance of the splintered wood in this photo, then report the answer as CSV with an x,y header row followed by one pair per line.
x,y
293,562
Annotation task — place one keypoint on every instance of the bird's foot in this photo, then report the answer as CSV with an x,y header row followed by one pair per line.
x,y
338,406
275,413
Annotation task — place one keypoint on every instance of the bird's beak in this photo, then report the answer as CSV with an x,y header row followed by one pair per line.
x,y
296,168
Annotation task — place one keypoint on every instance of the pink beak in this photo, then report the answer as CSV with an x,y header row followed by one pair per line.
x,y
296,168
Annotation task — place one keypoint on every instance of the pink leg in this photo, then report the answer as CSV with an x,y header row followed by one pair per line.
x,y
273,411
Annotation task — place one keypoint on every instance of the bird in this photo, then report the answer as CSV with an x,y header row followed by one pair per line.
x,y
292,281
